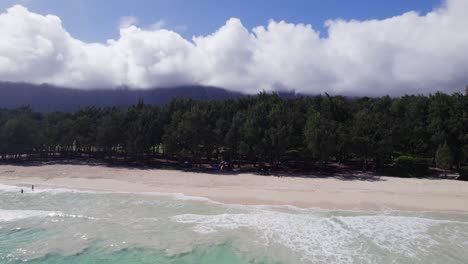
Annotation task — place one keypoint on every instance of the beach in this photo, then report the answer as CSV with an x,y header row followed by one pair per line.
x,y
353,192
100,214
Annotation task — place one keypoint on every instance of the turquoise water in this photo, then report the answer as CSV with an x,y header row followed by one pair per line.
x,y
67,226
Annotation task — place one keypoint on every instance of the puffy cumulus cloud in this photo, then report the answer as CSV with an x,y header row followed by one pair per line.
x,y
32,47
410,53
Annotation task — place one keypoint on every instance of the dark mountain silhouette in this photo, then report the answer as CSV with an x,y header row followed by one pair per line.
x,y
47,98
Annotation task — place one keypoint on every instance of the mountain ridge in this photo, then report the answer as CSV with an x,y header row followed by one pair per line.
x,y
49,98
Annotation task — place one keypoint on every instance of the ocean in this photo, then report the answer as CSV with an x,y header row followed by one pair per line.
x,y
56,226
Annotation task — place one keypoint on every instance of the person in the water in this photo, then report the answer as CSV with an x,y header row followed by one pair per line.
x,y
32,187
22,190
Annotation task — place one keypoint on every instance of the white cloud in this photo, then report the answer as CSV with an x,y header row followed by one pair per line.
x,y
410,53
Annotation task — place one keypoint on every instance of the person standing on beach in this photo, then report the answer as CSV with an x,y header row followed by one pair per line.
x,y
32,187
22,190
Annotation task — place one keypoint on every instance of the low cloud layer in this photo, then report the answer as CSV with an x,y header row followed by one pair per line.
x,y
410,53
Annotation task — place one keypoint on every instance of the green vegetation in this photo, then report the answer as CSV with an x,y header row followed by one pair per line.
x,y
463,174
444,158
408,166
402,135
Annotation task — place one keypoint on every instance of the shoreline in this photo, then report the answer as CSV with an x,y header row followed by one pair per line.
x,y
309,191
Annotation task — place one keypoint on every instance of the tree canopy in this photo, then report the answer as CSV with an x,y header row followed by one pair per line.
x,y
303,132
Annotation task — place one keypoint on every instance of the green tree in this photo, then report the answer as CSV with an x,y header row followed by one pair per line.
x,y
444,157
234,135
18,135
320,137
84,129
110,131
266,128
143,130
362,136
188,134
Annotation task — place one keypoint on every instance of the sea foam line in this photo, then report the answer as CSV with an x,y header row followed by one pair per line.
x,y
337,239
58,190
14,215
41,189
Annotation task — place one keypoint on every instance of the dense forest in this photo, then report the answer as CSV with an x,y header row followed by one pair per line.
x,y
404,136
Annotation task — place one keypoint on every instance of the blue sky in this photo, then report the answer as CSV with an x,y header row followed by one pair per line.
x,y
92,20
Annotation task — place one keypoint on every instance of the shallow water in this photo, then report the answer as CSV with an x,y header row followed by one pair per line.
x,y
66,226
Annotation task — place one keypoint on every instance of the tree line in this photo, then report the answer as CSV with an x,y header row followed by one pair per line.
x,y
407,133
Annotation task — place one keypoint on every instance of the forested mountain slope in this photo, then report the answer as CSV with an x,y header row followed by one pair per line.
x,y
47,98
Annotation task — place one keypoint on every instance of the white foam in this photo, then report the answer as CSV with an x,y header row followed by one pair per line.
x,y
179,196
39,189
9,188
400,234
336,239
62,215
58,190
13,215
311,236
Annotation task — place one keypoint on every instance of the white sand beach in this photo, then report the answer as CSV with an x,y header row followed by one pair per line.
x,y
366,192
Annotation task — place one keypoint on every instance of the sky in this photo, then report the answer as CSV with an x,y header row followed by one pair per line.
x,y
360,47
91,20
